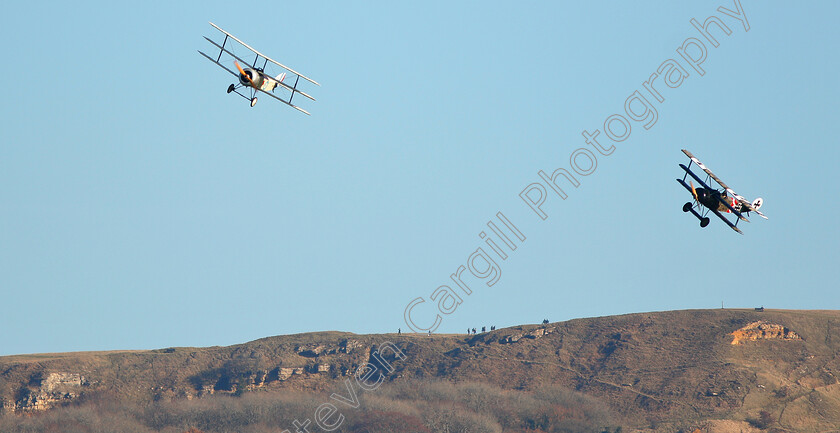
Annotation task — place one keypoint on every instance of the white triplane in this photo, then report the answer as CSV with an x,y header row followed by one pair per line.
x,y
255,77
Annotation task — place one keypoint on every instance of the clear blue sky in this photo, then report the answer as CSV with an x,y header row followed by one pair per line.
x,y
142,207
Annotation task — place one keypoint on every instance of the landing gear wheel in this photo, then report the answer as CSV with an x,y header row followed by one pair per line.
x,y
704,222
230,88
253,101
687,207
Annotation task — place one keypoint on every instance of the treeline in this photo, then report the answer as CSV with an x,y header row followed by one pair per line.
x,y
400,407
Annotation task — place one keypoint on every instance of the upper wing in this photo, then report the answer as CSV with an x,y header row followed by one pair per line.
x,y
706,169
265,57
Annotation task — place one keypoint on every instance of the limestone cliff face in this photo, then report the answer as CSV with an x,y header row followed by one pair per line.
x,y
762,330
53,389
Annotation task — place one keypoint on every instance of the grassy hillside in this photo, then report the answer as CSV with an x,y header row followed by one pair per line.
x,y
663,371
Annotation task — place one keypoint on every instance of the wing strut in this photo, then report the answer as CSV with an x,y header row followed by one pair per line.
x,y
222,49
294,89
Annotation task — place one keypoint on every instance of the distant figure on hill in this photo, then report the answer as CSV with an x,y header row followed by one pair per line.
x,y
483,329
399,331
493,328
545,321
473,331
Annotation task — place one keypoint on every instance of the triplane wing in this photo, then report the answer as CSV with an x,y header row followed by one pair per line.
x,y
255,75
708,199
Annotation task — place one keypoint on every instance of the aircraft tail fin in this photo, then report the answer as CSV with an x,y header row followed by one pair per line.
x,y
280,77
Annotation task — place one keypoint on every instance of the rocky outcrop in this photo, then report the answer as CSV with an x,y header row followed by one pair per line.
x,y
325,361
534,334
762,330
6,406
313,351
284,373
50,391
55,381
316,350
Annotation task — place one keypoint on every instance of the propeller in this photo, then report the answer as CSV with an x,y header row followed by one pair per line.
x,y
241,71
693,191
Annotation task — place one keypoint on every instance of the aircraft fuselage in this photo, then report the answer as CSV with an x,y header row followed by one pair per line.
x,y
709,199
